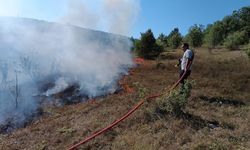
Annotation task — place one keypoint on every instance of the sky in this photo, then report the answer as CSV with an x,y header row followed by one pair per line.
x,y
162,16
165,15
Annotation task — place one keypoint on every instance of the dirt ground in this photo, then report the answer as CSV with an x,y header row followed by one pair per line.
x,y
220,95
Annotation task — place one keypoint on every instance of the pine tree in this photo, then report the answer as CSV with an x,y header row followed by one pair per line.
x,y
174,38
147,47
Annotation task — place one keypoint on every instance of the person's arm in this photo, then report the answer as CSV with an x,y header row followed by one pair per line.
x,y
189,55
188,64
179,63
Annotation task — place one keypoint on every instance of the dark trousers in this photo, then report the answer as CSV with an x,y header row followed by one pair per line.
x,y
185,76
183,79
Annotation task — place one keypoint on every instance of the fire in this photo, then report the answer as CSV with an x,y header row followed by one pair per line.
x,y
127,88
92,101
123,83
139,60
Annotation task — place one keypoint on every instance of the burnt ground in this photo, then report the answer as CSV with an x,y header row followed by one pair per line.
x,y
217,115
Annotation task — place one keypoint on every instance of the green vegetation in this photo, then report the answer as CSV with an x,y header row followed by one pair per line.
x,y
172,104
214,35
142,91
66,130
174,38
162,40
234,40
248,50
231,32
195,35
147,47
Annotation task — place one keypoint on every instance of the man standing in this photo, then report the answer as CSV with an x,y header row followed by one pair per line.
x,y
186,62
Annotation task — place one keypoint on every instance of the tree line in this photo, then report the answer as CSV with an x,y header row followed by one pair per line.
x,y
231,32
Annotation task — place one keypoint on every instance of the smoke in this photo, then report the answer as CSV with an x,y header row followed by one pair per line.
x,y
34,53
10,7
80,15
116,16
121,14
60,85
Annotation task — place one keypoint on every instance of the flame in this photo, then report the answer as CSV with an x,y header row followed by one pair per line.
x,y
139,60
127,88
123,83
92,101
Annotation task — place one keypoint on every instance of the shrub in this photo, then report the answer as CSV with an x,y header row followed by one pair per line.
x,y
195,35
174,38
248,50
162,40
147,47
175,102
234,40
142,91
214,34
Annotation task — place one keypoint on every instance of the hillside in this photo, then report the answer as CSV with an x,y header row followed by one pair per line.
x,y
41,60
218,107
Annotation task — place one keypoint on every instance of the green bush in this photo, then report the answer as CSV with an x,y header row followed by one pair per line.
x,y
195,35
142,91
214,34
147,47
234,40
174,38
248,50
162,40
175,102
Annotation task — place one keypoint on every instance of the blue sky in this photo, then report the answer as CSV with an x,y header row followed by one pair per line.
x,y
159,15
165,15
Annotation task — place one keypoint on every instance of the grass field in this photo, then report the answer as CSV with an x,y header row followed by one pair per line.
x,y
218,110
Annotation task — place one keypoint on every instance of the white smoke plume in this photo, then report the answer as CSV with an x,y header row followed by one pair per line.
x,y
80,15
116,16
39,58
121,14
35,52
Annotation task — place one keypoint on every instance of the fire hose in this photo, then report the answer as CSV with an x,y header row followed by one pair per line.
x,y
139,104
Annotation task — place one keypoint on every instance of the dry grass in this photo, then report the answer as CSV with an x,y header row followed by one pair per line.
x,y
217,74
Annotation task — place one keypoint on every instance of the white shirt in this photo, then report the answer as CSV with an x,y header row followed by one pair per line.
x,y
188,54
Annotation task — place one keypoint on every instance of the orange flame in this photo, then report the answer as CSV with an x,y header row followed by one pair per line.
x,y
92,101
124,85
138,60
128,89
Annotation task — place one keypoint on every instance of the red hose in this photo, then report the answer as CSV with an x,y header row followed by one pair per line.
x,y
108,127
125,116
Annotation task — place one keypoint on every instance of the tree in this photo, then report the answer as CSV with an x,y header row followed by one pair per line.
x,y
215,34
195,35
174,38
244,17
231,24
147,47
248,50
162,40
234,40
222,32
133,41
